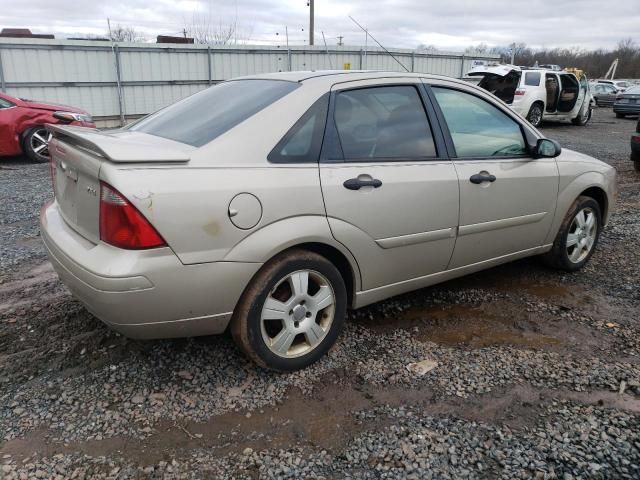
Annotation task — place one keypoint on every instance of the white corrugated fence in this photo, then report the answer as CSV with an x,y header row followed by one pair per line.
x,y
115,82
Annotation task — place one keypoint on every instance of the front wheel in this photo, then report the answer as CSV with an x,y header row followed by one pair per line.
x,y
578,236
292,311
535,115
35,144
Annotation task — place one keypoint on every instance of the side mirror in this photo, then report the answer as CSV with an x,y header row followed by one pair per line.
x,y
547,148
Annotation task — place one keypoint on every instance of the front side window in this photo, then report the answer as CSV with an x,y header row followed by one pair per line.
x,y
478,128
383,123
200,118
532,79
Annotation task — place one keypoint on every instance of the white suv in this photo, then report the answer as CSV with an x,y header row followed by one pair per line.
x,y
538,94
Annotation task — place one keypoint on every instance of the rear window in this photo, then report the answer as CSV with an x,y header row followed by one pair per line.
x,y
202,117
532,79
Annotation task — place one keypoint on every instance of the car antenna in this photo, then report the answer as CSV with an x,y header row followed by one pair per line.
x,y
327,50
379,44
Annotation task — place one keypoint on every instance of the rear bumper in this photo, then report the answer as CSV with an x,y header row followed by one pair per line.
x,y
626,108
144,293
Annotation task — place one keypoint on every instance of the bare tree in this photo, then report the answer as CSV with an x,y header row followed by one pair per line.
x,y
594,62
203,29
430,48
479,49
125,34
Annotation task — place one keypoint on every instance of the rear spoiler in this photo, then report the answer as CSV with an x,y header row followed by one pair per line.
x,y
123,147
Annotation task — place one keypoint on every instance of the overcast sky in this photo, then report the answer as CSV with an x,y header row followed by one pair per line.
x,y
446,24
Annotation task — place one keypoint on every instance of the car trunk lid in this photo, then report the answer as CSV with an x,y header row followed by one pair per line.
x,y
77,155
501,80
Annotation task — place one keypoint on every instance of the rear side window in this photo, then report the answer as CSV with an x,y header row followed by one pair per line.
x,y
303,142
383,123
532,79
478,128
200,118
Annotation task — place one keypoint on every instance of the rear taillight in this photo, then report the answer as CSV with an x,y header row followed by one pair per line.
x,y
636,139
122,225
520,91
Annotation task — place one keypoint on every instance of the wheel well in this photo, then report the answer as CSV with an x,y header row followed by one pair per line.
x,y
599,196
336,257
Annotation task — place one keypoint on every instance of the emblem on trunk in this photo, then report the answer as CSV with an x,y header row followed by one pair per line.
x,y
92,191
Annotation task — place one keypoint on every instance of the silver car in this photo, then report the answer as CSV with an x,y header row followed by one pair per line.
x,y
271,204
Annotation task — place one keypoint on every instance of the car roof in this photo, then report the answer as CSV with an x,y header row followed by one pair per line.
x,y
331,77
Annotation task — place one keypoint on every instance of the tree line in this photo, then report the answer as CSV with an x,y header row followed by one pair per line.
x,y
594,62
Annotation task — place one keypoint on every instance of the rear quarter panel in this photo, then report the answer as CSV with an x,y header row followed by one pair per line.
x,y
190,206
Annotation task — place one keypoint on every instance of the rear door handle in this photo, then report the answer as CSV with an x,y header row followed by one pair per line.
x,y
357,184
482,177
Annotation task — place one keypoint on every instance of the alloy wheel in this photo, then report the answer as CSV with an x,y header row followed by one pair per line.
x,y
535,116
40,142
582,235
297,313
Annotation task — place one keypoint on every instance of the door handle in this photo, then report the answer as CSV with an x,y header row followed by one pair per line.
x,y
357,184
482,177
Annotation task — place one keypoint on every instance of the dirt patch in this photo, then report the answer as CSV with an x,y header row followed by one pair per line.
x,y
323,421
526,315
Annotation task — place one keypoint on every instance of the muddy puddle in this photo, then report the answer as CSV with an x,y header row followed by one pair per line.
x,y
520,312
315,421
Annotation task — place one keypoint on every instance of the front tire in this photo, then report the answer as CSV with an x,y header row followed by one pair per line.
x,y
578,236
534,117
35,144
292,311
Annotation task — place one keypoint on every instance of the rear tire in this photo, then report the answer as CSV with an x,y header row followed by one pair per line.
x,y
35,144
620,115
292,311
636,165
534,117
581,120
578,236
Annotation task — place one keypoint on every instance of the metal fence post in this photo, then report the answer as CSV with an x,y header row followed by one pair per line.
x,y
116,52
462,66
413,60
3,86
361,55
209,63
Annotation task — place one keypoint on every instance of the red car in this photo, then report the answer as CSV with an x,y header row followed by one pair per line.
x,y
22,124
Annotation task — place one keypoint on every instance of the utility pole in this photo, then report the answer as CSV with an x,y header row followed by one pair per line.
x,y
513,54
311,14
340,37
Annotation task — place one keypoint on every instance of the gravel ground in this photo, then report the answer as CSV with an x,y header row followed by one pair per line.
x,y
533,374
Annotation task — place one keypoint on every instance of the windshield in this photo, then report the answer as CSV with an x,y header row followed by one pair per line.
x,y
202,117
633,90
